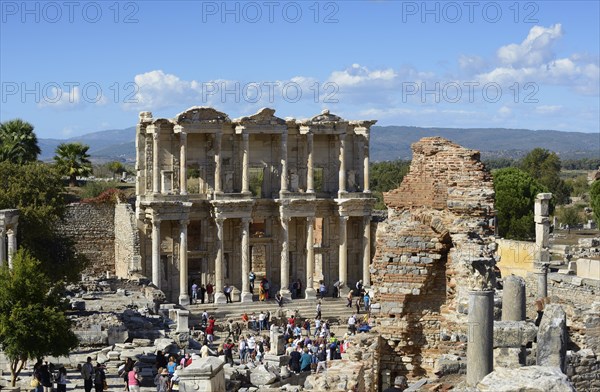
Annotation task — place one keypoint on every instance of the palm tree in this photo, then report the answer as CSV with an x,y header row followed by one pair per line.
x,y
18,142
72,160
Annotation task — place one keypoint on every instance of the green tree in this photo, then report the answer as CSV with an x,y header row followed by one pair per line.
x,y
32,319
73,160
595,200
37,190
579,185
544,166
18,142
385,176
515,199
116,167
569,215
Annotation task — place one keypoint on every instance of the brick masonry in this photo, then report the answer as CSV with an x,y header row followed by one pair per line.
x,y
91,226
435,246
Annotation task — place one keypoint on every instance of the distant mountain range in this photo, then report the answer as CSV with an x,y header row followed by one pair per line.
x,y
387,143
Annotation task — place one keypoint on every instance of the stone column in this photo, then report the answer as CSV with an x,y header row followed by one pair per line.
x,y
284,169
245,171
342,171
310,292
343,255
2,246
182,163
217,147
542,280
310,187
12,244
219,295
366,188
513,299
156,275
184,297
246,295
285,262
366,275
156,161
542,220
480,358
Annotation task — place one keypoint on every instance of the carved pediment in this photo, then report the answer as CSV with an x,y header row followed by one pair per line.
x,y
265,116
325,116
199,114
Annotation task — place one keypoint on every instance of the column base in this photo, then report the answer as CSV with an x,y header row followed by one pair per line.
x,y
310,294
220,298
184,300
246,297
285,293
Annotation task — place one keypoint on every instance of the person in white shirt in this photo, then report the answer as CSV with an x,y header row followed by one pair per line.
x,y
352,325
261,321
251,344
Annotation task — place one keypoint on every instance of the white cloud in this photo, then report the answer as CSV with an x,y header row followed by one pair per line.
x,y
548,109
54,96
357,75
505,111
536,49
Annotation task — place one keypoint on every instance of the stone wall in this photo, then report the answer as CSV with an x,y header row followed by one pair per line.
x,y
583,370
435,246
127,242
91,226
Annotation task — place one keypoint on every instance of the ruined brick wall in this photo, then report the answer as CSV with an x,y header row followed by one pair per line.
x,y
127,242
583,370
91,227
435,246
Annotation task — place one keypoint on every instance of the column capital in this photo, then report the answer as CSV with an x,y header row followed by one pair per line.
x,y
239,129
219,220
155,136
285,219
344,218
156,220
342,137
246,219
184,222
310,219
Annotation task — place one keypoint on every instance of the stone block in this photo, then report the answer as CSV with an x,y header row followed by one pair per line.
x,y
113,355
141,342
552,338
514,333
528,378
509,357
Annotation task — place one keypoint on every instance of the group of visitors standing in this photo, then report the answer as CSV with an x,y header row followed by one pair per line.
x,y
200,292
44,376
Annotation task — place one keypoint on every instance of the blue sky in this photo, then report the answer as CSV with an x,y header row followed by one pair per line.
x,y
76,67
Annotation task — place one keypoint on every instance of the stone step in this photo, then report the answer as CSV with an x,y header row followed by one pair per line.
x,y
330,308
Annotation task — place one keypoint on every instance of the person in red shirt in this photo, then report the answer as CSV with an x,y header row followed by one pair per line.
x,y
228,350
